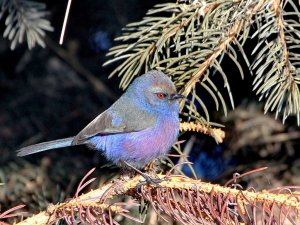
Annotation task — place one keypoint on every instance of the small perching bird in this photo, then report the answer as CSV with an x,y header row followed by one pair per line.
x,y
140,126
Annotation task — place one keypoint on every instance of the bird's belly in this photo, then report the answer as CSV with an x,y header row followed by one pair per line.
x,y
138,148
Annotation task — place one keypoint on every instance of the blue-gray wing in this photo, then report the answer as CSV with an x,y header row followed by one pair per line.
x,y
112,122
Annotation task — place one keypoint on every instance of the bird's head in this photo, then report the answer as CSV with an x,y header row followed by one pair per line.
x,y
155,91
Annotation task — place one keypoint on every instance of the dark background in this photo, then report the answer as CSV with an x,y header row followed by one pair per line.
x,y
50,93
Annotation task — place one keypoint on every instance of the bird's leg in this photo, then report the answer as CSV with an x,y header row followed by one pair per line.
x,y
148,179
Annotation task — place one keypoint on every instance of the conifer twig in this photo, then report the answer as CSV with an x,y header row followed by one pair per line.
x,y
61,39
216,133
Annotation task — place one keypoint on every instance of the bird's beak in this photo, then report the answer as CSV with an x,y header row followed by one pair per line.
x,y
177,96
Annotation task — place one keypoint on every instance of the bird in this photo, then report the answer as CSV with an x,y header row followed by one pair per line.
x,y
140,126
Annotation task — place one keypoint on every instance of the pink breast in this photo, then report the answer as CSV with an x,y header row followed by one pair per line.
x,y
153,142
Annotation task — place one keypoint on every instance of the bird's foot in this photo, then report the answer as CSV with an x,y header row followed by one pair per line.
x,y
152,181
148,178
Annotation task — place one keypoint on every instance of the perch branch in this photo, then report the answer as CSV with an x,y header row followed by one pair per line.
x,y
186,200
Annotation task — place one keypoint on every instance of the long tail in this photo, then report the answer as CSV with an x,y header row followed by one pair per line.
x,y
44,146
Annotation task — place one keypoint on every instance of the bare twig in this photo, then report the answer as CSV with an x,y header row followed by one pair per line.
x,y
65,23
98,85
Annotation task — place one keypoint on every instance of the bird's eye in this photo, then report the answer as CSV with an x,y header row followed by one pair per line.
x,y
161,95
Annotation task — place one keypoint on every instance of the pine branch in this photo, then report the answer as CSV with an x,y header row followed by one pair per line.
x,y
188,40
277,75
24,20
183,46
184,199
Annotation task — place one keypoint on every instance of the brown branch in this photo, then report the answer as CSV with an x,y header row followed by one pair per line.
x,y
73,61
12,212
182,198
91,199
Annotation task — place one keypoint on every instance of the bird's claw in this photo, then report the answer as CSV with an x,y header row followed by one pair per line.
x,y
148,179
152,181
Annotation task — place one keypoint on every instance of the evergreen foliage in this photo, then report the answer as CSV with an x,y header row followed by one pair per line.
x,y
189,39
24,20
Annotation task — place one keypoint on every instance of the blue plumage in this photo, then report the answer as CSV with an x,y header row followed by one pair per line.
x,y
141,125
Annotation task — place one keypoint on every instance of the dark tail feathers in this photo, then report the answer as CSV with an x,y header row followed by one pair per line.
x,y
60,143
